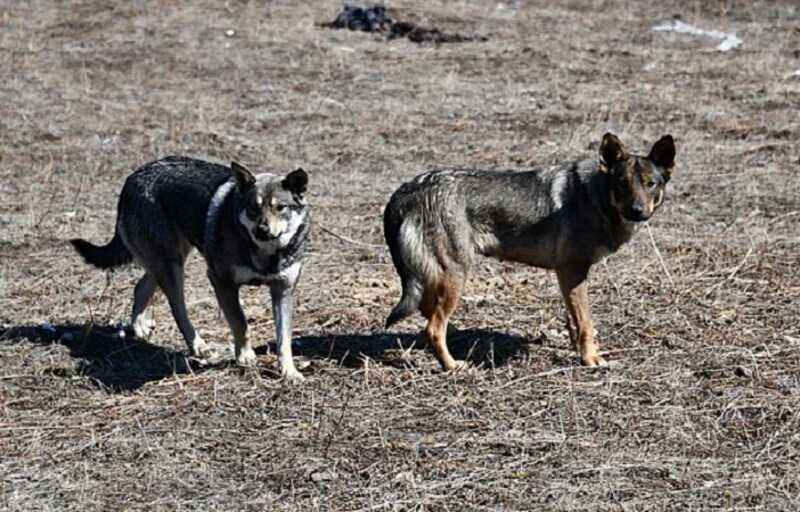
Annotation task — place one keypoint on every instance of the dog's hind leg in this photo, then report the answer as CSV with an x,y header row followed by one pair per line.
x,y
228,298
142,296
572,281
170,278
437,305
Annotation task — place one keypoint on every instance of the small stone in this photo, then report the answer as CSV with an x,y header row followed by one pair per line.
x,y
741,371
323,476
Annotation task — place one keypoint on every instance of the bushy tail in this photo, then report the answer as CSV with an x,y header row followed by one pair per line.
x,y
409,303
113,254
412,290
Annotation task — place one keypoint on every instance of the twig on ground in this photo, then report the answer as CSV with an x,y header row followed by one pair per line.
x,y
348,240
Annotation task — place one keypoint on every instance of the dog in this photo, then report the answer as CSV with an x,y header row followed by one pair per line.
x,y
565,219
251,230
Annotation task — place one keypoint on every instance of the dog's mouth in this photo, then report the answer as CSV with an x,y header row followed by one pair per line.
x,y
263,234
635,216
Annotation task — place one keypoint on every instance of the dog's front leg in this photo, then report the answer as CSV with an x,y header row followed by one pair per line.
x,y
281,293
228,297
573,283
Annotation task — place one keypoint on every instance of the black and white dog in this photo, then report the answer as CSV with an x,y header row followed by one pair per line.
x,y
251,229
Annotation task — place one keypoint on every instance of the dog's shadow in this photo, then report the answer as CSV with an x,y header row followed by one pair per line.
x,y
115,362
125,363
481,348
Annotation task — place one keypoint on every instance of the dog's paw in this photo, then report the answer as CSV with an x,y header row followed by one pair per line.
x,y
458,366
200,349
143,326
292,377
246,357
593,360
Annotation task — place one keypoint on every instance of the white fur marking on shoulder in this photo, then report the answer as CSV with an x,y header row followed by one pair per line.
x,y
219,197
557,189
217,200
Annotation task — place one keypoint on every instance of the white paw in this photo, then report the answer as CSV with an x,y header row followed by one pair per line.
x,y
292,377
246,357
593,359
200,348
143,326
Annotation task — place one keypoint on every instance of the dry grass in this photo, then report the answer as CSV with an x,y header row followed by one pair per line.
x,y
699,411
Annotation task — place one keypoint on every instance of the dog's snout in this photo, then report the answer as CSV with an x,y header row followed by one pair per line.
x,y
639,211
262,232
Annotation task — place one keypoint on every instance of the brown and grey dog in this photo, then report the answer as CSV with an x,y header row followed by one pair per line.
x,y
565,219
251,230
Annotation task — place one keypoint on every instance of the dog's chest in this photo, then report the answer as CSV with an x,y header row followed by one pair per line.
x,y
243,274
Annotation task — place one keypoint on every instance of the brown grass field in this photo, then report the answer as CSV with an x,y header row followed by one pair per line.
x,y
699,313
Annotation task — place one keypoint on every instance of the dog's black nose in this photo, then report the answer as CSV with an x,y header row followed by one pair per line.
x,y
263,234
638,212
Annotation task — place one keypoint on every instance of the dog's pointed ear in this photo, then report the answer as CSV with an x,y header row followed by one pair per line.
x,y
611,151
243,176
296,182
663,154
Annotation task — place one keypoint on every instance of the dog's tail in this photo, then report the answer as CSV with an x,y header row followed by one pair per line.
x,y
399,248
111,255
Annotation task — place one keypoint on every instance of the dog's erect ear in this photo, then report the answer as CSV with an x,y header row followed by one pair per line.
x,y
243,176
663,154
296,182
611,151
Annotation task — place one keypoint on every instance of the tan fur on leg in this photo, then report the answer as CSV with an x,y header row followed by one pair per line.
x,y
574,290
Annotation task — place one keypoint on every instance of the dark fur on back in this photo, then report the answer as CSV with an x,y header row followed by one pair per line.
x,y
181,186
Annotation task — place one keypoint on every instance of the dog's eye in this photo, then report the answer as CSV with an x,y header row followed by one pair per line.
x,y
650,184
281,207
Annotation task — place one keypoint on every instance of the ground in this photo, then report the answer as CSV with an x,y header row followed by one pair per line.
x,y
698,314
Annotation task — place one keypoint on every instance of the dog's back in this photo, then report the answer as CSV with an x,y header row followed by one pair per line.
x,y
169,199
162,204
522,216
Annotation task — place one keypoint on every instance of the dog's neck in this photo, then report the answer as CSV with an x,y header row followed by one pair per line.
x,y
618,228
272,260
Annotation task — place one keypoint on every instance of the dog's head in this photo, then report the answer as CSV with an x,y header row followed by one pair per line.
x,y
272,209
637,182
